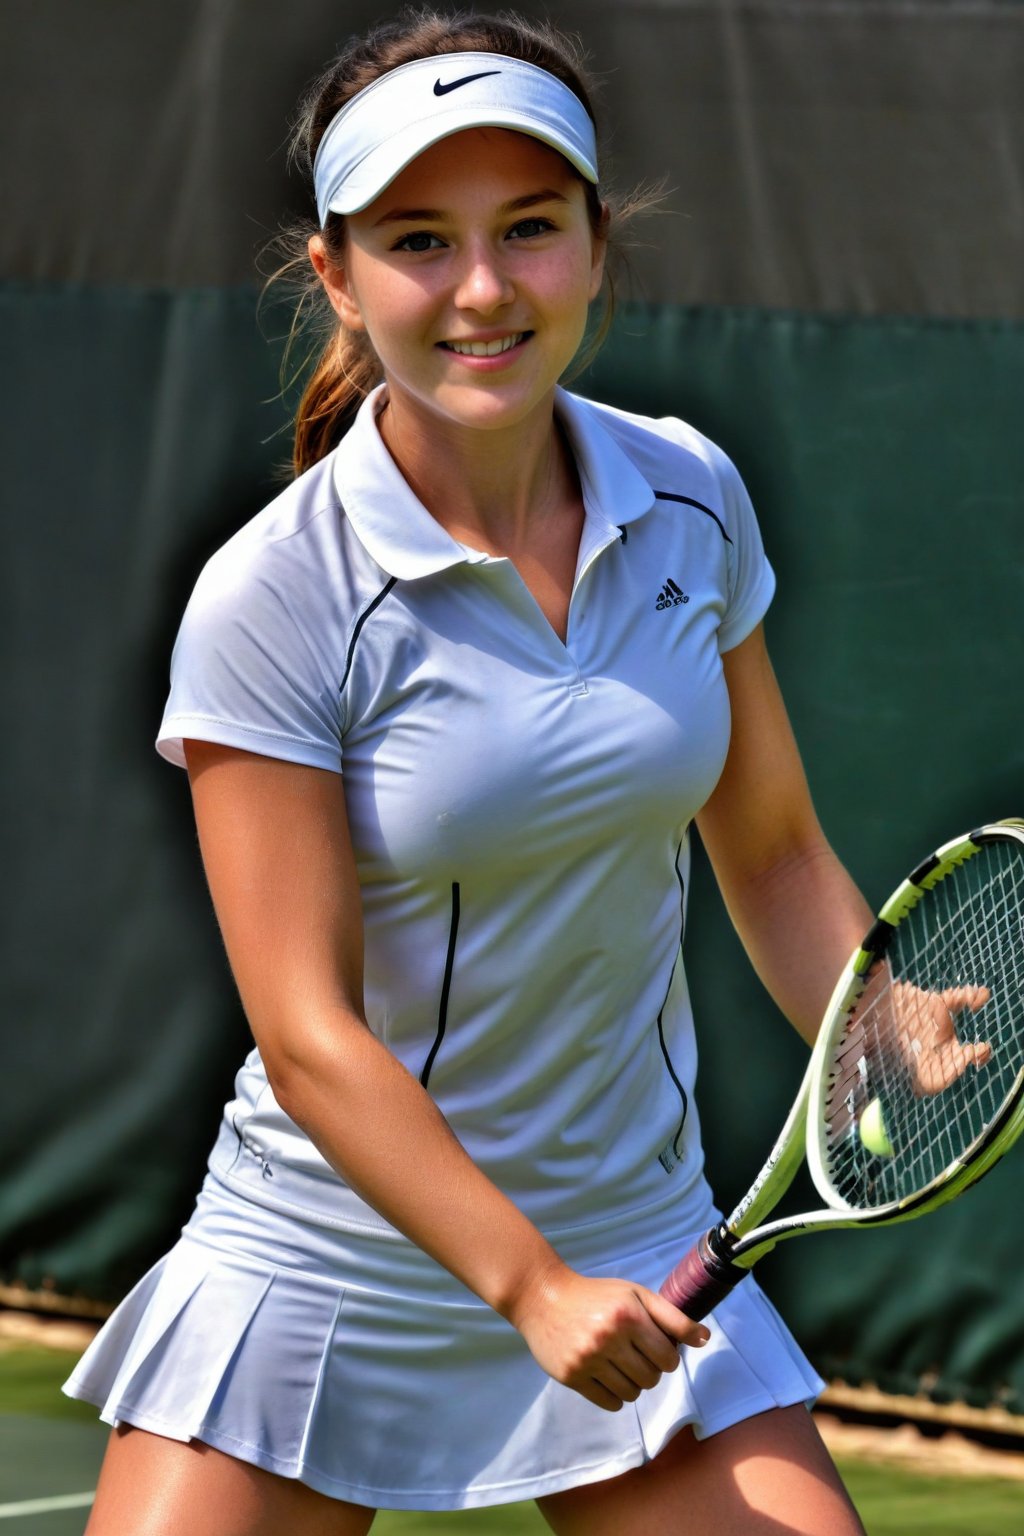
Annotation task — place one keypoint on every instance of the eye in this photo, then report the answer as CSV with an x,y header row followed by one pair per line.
x,y
526,229
419,240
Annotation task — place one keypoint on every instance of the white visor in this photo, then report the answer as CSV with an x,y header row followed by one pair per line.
x,y
400,115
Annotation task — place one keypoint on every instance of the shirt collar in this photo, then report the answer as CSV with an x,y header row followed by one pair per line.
x,y
404,539
614,490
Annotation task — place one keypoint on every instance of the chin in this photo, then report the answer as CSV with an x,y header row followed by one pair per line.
x,y
491,410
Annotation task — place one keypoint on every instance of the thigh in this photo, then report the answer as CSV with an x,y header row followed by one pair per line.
x,y
150,1486
766,1476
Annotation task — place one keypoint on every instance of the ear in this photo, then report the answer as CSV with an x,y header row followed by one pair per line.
x,y
599,250
336,285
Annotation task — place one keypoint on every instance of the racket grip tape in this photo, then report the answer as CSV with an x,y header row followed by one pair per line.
x,y
701,1280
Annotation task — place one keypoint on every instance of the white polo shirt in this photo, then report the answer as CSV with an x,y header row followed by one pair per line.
x,y
518,805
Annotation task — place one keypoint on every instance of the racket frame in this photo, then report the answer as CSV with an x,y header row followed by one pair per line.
x,y
999,1133
744,1237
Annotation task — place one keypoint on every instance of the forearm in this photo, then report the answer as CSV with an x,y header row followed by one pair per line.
x,y
376,1125
800,919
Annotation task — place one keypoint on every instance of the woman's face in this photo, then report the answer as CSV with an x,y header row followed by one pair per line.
x,y
472,274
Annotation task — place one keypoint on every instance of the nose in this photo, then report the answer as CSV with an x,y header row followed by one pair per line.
x,y
483,284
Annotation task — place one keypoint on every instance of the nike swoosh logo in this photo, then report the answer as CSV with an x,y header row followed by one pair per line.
x,y
453,85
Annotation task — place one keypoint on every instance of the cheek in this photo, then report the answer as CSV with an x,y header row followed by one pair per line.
x,y
576,280
574,290
393,306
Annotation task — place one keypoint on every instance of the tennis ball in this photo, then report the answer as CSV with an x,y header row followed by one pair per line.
x,y
873,1132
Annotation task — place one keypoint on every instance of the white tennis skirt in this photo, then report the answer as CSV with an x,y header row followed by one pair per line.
x,y
363,1368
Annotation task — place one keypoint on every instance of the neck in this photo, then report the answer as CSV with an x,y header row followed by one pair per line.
x,y
491,490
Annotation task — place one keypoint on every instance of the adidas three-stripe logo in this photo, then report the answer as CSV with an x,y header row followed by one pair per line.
x,y
671,596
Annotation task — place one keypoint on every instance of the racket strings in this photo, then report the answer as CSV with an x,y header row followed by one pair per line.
x,y
905,1047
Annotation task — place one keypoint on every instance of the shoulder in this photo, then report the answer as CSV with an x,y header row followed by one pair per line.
x,y
297,555
282,536
700,507
679,463
255,662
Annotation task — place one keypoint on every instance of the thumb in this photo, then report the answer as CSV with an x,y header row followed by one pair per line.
x,y
670,1320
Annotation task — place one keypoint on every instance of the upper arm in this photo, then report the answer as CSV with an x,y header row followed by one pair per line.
x,y
278,858
760,813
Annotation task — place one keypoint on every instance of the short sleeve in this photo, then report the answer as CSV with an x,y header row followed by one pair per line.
x,y
247,670
751,578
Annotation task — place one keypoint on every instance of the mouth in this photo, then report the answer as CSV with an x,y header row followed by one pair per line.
x,y
486,348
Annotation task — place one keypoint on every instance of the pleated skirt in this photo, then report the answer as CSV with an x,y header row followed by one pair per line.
x,y
361,1367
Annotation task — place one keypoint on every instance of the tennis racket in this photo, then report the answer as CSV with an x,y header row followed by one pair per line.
x,y
915,1086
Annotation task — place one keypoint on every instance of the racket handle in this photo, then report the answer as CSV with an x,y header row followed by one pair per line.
x,y
701,1279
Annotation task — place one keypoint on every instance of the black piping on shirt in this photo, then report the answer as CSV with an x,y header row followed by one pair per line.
x,y
688,501
381,595
661,1028
446,985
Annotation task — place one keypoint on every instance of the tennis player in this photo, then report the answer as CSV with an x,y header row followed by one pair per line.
x,y
449,706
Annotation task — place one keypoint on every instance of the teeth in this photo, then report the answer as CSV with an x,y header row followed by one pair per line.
x,y
485,348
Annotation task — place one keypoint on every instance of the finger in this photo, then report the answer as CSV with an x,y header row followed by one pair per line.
x,y
637,1366
608,1375
654,1345
940,1069
680,1328
957,999
954,1060
595,1393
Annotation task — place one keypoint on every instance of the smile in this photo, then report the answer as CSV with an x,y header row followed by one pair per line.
x,y
486,348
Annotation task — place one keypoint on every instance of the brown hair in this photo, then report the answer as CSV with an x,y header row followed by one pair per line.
x,y
347,368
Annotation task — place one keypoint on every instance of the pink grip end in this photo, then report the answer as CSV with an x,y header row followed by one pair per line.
x,y
700,1281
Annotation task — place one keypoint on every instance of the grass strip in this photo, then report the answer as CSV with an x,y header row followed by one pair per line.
x,y
893,1500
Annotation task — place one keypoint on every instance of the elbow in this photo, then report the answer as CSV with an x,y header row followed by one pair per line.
x,y
291,1082
794,858
304,1068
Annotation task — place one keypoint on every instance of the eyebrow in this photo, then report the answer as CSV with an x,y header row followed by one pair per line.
x,y
442,216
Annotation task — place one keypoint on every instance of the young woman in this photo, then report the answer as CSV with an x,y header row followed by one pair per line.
x,y
449,706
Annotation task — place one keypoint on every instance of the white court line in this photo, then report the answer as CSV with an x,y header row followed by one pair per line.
x,y
43,1506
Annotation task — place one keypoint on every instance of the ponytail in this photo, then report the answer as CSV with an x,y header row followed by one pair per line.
x,y
338,367
344,374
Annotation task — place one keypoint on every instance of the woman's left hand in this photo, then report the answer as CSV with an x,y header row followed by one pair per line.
x,y
925,1035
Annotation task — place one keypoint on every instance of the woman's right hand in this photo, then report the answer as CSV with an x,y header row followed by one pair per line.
x,y
609,1340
